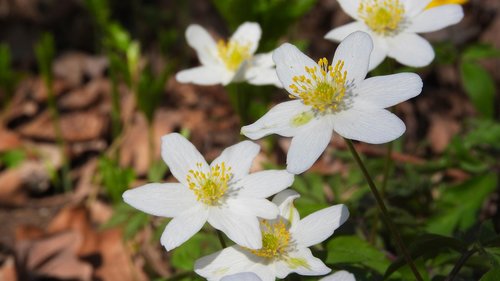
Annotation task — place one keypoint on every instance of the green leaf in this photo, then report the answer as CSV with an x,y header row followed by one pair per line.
x,y
459,205
428,245
492,275
157,171
12,158
480,87
480,51
135,223
353,250
197,246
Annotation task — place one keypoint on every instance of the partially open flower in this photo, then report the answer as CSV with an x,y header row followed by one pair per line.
x,y
222,193
393,26
229,61
285,244
333,97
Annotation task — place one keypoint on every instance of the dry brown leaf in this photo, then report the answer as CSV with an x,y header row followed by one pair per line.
x,y
9,139
73,67
8,270
84,97
442,130
75,127
17,183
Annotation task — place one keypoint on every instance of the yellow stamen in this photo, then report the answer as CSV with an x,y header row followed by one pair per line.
x,y
209,187
436,3
382,16
233,54
322,88
275,240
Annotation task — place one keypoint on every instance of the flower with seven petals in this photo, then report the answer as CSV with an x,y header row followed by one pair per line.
x,y
334,97
224,62
393,26
285,245
222,193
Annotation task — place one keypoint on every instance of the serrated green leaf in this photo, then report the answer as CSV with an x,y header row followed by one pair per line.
x,y
480,87
459,205
353,250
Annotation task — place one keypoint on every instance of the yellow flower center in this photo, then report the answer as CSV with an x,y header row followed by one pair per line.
x,y
209,187
233,54
275,240
324,90
382,16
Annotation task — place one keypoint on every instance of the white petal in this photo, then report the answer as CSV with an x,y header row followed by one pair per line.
x,y
229,261
248,33
389,90
204,75
290,62
339,276
277,121
370,125
411,50
164,200
340,33
183,227
379,52
284,201
355,51
350,7
263,76
314,265
205,46
239,157
243,229
263,60
436,18
244,276
261,208
308,145
319,226
415,7
265,183
181,156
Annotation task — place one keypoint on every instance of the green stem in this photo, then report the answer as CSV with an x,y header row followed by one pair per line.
x,y
221,239
387,168
384,212
463,259
151,144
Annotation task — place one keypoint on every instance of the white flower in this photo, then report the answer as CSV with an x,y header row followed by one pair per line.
x,y
286,242
331,98
243,276
339,276
232,61
224,194
394,24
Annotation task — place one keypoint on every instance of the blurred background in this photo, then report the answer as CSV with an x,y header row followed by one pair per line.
x,y
87,89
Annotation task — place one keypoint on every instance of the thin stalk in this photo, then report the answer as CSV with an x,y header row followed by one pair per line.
x,y
384,212
387,168
221,239
151,143
461,262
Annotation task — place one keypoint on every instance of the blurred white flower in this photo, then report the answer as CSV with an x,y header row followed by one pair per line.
x,y
393,26
224,194
224,62
339,276
331,98
285,244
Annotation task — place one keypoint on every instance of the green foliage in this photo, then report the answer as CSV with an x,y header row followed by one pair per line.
x,y
492,275
131,219
8,78
458,206
45,52
353,250
114,178
477,81
12,158
201,244
274,16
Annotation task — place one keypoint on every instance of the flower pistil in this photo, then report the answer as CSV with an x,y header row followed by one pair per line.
x,y
233,53
384,17
209,187
323,90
